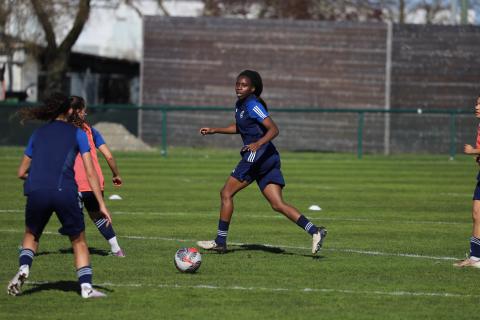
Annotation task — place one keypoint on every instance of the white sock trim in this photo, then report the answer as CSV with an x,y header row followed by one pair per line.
x,y
86,286
115,247
24,268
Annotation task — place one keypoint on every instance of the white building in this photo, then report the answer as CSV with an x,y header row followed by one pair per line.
x,y
111,32
116,33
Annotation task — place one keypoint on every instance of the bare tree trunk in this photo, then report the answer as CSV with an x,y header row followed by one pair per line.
x,y
401,11
55,68
211,8
162,7
55,58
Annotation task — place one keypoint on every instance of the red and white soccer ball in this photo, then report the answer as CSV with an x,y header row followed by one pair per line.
x,y
188,260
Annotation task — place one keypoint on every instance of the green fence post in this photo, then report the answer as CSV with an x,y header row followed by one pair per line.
x,y
453,134
164,132
360,135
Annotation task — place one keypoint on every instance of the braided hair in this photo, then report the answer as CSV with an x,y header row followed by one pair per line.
x,y
257,83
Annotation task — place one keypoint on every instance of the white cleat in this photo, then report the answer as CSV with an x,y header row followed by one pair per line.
x,y
212,245
88,292
317,239
469,262
207,245
120,253
15,285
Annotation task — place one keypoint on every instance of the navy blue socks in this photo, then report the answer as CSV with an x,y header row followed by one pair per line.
x,y
26,257
305,224
222,232
106,231
84,275
475,247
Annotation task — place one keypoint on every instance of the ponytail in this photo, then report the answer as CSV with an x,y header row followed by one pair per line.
x,y
55,105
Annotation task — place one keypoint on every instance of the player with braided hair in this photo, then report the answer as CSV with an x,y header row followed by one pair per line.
x,y
260,162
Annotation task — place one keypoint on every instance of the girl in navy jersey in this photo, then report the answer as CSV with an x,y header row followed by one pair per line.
x,y
90,203
47,167
260,162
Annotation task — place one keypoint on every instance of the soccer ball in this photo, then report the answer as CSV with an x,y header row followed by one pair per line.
x,y
187,260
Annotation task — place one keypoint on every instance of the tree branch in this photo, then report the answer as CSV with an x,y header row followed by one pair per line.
x,y
42,16
80,20
162,7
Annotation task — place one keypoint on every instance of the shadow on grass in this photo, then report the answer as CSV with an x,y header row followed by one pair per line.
x,y
94,251
261,247
268,249
65,286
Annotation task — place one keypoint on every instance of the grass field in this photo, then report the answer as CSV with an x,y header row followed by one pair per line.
x,y
396,224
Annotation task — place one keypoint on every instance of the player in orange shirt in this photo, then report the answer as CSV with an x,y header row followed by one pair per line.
x,y
96,141
474,258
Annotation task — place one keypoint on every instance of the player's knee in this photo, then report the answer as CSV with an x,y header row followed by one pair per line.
x,y
78,238
32,235
277,206
476,215
226,194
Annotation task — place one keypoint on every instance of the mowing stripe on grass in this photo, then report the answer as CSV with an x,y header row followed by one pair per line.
x,y
159,213
357,251
260,289
180,213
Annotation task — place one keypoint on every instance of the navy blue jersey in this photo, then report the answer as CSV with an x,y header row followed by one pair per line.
x,y
97,138
53,148
249,115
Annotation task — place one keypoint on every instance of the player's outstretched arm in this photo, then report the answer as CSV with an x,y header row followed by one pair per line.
x,y
95,185
231,129
107,154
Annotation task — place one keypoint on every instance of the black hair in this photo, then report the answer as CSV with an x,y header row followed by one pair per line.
x,y
56,104
77,104
257,83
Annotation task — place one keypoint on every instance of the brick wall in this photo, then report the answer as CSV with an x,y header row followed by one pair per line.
x,y
310,64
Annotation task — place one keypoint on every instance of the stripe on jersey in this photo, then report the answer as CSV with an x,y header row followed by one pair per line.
x,y
259,112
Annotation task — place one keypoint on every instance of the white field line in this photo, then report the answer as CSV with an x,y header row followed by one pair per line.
x,y
265,289
180,213
454,194
357,251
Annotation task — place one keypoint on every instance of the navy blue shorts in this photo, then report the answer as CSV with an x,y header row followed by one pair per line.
x,y
66,204
90,201
476,193
264,171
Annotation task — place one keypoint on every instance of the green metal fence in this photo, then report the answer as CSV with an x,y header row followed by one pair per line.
x,y
452,113
128,116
